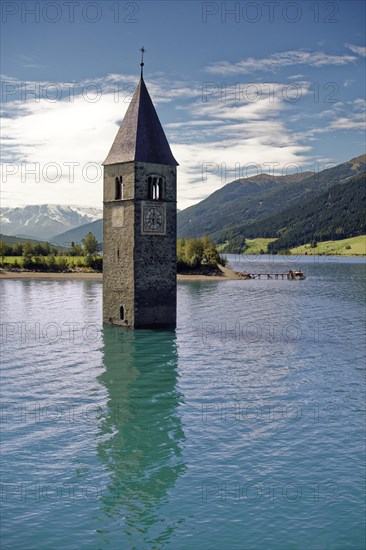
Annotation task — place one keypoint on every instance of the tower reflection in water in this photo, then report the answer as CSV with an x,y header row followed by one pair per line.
x,y
140,433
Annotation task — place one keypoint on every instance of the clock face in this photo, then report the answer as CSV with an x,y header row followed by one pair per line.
x,y
153,219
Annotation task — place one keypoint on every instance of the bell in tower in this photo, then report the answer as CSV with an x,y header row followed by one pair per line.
x,y
139,213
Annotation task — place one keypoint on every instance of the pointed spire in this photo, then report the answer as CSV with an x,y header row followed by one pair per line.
x,y
141,136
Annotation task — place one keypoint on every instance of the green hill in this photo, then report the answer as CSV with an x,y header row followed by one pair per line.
x,y
249,200
336,214
9,239
352,246
77,234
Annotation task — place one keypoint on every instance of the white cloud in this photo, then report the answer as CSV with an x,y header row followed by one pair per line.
x,y
354,120
348,123
28,61
295,77
244,134
359,50
359,104
341,118
214,141
189,123
278,61
60,130
55,134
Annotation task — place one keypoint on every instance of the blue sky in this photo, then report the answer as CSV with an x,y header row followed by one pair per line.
x,y
240,87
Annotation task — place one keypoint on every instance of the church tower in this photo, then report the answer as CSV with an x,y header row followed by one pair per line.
x,y
139,211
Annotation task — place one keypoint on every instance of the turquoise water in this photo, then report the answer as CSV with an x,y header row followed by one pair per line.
x,y
242,429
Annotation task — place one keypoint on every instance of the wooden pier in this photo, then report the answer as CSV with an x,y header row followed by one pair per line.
x,y
290,275
269,275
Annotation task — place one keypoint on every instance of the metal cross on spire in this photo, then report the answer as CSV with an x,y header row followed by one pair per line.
x,y
142,50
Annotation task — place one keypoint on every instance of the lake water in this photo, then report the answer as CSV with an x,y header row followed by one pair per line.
x,y
242,429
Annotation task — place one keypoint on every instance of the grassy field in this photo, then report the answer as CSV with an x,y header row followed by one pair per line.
x,y
256,245
72,259
354,246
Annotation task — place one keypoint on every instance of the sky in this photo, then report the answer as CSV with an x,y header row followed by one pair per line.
x,y
241,88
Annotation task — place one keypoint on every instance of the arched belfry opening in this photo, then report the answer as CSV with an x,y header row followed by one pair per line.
x,y
118,188
155,186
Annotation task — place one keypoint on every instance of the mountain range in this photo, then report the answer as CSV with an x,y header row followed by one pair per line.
x,y
45,221
295,209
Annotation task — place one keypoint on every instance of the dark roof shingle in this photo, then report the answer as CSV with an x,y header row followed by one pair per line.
x,y
141,136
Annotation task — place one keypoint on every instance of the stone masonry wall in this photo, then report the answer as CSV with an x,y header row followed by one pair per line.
x,y
118,246
139,271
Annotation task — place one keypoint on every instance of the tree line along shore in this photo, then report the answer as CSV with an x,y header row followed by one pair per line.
x,y
194,257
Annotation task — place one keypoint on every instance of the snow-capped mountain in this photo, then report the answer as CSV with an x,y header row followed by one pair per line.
x,y
44,221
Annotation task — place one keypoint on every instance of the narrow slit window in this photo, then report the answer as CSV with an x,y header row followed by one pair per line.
x,y
118,192
122,313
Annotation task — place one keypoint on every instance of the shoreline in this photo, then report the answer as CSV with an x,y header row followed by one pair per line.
x,y
228,275
47,275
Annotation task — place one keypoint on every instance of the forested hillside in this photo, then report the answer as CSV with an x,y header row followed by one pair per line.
x,y
336,214
249,200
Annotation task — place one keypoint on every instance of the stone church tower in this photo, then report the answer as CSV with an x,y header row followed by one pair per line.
x,y
139,210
